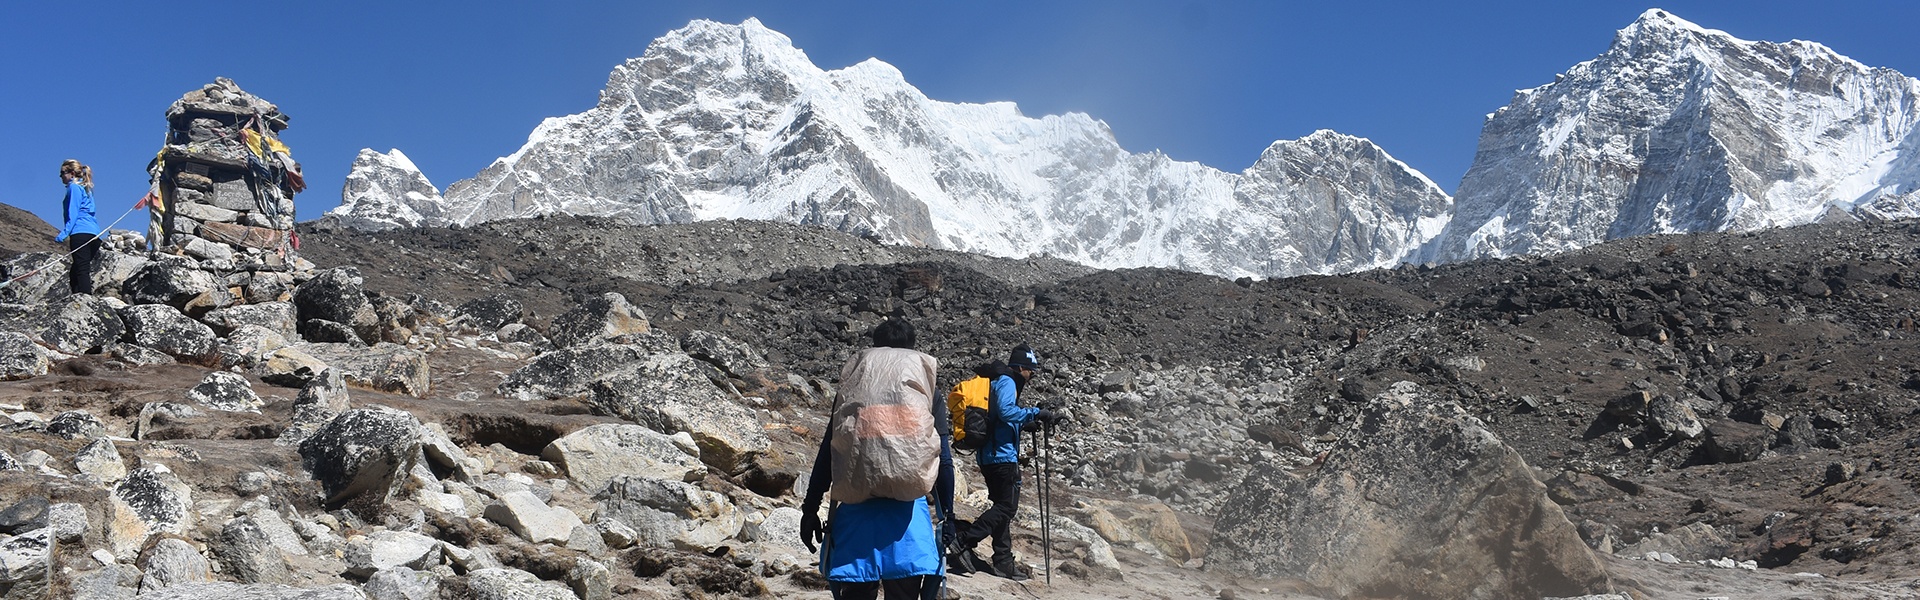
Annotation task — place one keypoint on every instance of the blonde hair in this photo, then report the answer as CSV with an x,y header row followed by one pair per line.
x,y
71,169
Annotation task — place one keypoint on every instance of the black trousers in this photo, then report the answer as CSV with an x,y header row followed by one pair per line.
x,y
1003,488
905,588
80,272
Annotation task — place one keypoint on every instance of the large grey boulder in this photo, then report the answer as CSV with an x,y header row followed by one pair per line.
x,y
82,323
596,455
336,295
1413,501
222,590
164,328
250,345
247,553
172,282
731,356
670,393
385,367
30,283
225,391
318,403
152,500
362,451
76,425
101,459
381,550
280,317
532,519
109,582
26,561
289,367
401,583
20,358
598,318
490,313
570,372
514,584
670,513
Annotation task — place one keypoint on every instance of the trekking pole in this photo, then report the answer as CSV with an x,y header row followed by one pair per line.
x,y
1046,499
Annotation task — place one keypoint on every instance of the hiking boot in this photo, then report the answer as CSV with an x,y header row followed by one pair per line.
x,y
964,561
1007,569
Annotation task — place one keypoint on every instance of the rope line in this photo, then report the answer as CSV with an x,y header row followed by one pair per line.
x,y
96,239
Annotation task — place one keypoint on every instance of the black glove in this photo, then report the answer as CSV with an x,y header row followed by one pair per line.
x,y
1048,417
811,533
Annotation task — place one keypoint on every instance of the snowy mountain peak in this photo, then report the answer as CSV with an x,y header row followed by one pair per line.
x,y
386,191
718,121
1678,128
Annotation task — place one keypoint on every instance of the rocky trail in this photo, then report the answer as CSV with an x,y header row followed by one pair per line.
x,y
573,407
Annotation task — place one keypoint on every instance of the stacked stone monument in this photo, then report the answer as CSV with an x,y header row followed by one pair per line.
x,y
224,181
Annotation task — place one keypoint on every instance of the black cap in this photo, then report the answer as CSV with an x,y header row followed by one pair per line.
x,y
1024,357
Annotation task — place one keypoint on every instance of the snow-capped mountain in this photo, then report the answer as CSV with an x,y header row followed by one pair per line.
x,y
1679,128
385,191
723,121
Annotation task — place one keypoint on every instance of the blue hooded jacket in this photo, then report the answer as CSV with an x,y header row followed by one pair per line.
x,y
1004,444
79,209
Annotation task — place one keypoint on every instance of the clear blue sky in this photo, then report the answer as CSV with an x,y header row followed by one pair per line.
x,y
457,84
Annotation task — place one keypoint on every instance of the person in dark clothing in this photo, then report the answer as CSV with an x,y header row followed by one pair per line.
x,y
882,544
1000,463
82,228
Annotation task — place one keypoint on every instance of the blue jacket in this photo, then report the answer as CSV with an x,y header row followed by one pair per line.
x,y
79,209
1003,445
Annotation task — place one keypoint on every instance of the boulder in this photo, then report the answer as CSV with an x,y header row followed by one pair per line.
x,y
596,455
28,514
780,527
570,372
115,268
26,563
76,425
532,519
109,582
387,549
139,356
82,323
101,459
670,513
68,520
289,367
514,584
336,295
322,331
440,450
520,333
250,345
598,318
1695,542
158,419
162,327
248,555
205,250
1731,441
590,580
319,402
385,367
223,590
173,282
20,358
1415,500
362,451
150,501
279,317
29,283
492,312
731,356
670,394
1674,417
401,583
225,391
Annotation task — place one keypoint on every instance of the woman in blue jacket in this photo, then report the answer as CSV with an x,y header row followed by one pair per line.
x,y
81,228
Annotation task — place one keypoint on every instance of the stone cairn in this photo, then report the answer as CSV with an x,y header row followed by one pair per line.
x,y
224,183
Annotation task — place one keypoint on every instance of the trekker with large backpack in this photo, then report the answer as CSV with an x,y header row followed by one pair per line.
x,y
999,459
882,456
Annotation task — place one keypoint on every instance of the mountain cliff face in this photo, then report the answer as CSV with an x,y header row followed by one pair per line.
x,y
1678,128
722,121
386,191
